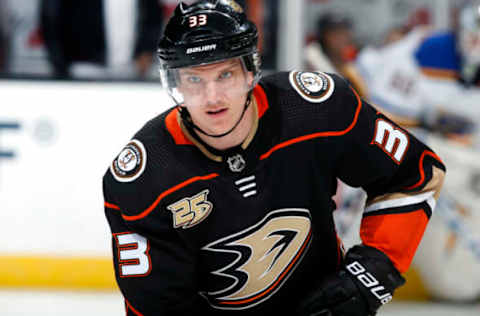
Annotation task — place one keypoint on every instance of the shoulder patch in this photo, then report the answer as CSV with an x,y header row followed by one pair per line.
x,y
314,87
130,163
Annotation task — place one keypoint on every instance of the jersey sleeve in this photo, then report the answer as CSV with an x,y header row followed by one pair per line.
x,y
401,176
154,269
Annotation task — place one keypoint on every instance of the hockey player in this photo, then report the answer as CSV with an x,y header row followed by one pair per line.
x,y
428,79
223,205
423,78
334,49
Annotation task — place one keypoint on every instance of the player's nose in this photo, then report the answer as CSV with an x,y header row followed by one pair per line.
x,y
212,94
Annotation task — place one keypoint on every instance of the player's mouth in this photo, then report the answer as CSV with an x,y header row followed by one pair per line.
x,y
217,112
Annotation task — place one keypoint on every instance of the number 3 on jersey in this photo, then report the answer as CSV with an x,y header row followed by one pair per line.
x,y
392,140
132,254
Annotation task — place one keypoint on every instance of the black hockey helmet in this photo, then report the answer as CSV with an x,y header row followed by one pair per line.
x,y
332,21
205,32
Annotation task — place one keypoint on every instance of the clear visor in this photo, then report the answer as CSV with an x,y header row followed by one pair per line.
x,y
219,82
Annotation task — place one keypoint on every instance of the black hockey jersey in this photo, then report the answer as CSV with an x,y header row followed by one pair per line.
x,y
249,230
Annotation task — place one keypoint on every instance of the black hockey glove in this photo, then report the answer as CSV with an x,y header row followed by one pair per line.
x,y
366,282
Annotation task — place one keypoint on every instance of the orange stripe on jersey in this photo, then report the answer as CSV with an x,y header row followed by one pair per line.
x,y
420,167
397,235
112,206
261,98
175,130
340,251
165,193
317,135
130,307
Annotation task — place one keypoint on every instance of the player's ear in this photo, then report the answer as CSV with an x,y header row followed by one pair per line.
x,y
250,78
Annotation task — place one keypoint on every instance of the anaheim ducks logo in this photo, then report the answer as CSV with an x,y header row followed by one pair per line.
x,y
267,254
314,87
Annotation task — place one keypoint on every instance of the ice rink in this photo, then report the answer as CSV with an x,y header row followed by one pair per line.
x,y
15,303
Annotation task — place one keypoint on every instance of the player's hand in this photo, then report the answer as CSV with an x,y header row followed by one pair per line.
x,y
366,282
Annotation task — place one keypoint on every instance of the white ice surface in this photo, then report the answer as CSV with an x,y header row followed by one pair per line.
x,y
38,303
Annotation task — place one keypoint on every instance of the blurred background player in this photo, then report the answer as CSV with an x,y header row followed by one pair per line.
x,y
427,79
24,54
333,49
101,39
418,76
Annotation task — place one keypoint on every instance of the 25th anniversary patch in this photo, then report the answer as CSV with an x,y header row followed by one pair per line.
x,y
314,87
130,163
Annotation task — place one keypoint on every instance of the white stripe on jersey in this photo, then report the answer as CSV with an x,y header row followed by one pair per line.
x,y
424,197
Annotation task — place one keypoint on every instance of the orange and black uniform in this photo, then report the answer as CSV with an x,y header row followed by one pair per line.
x,y
249,230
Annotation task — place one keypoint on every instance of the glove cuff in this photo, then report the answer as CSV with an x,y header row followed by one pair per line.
x,y
374,275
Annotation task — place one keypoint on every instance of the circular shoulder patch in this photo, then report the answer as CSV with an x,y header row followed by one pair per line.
x,y
130,163
314,87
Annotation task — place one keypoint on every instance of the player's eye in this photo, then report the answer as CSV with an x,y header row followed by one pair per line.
x,y
194,79
225,75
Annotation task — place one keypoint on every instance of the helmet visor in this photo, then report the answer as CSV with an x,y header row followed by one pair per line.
x,y
221,81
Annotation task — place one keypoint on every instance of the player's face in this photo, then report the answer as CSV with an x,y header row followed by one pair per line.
x,y
215,94
339,43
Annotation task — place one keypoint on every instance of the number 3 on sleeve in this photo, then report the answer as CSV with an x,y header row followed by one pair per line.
x,y
132,253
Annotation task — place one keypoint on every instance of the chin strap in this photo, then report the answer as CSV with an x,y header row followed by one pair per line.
x,y
187,119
